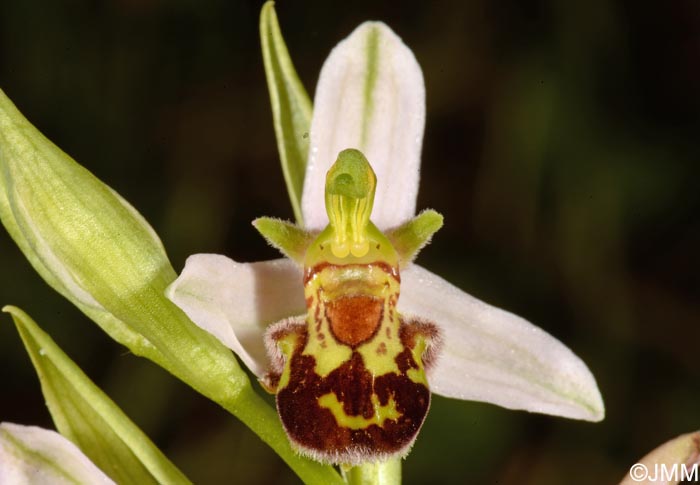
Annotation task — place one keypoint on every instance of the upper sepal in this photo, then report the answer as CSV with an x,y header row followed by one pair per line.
x,y
371,97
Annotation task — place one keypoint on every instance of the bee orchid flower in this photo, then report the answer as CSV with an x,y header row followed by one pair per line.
x,y
328,311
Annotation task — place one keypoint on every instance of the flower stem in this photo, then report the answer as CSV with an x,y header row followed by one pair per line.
x,y
251,409
378,473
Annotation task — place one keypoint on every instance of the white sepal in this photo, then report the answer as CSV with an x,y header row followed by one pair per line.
x,y
236,302
370,96
491,355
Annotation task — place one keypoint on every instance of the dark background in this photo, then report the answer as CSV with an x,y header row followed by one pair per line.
x,y
561,146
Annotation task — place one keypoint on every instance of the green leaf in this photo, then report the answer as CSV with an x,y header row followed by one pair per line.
x,y
291,106
290,239
96,250
412,236
85,415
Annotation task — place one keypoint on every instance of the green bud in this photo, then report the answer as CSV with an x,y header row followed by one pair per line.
x,y
95,249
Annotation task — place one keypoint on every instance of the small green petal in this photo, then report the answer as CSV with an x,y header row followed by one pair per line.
x,y
409,238
291,106
90,419
290,239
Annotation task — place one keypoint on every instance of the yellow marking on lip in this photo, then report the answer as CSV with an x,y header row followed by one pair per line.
x,y
418,375
328,353
381,413
286,344
334,283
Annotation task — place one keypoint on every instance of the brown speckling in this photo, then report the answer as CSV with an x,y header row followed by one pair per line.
x,y
381,349
317,311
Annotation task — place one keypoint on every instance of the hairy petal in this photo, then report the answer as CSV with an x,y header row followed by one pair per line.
x,y
491,355
29,454
236,302
370,96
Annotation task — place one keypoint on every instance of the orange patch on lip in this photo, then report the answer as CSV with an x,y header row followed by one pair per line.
x,y
354,319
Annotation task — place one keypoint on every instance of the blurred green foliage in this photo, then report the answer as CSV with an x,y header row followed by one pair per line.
x,y
561,147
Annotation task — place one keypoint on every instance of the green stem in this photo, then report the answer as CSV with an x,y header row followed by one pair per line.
x,y
378,473
261,418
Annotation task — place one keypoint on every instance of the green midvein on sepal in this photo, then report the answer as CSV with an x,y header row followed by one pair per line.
x,y
409,238
88,417
290,239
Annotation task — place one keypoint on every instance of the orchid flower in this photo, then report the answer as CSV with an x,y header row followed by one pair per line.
x,y
370,98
